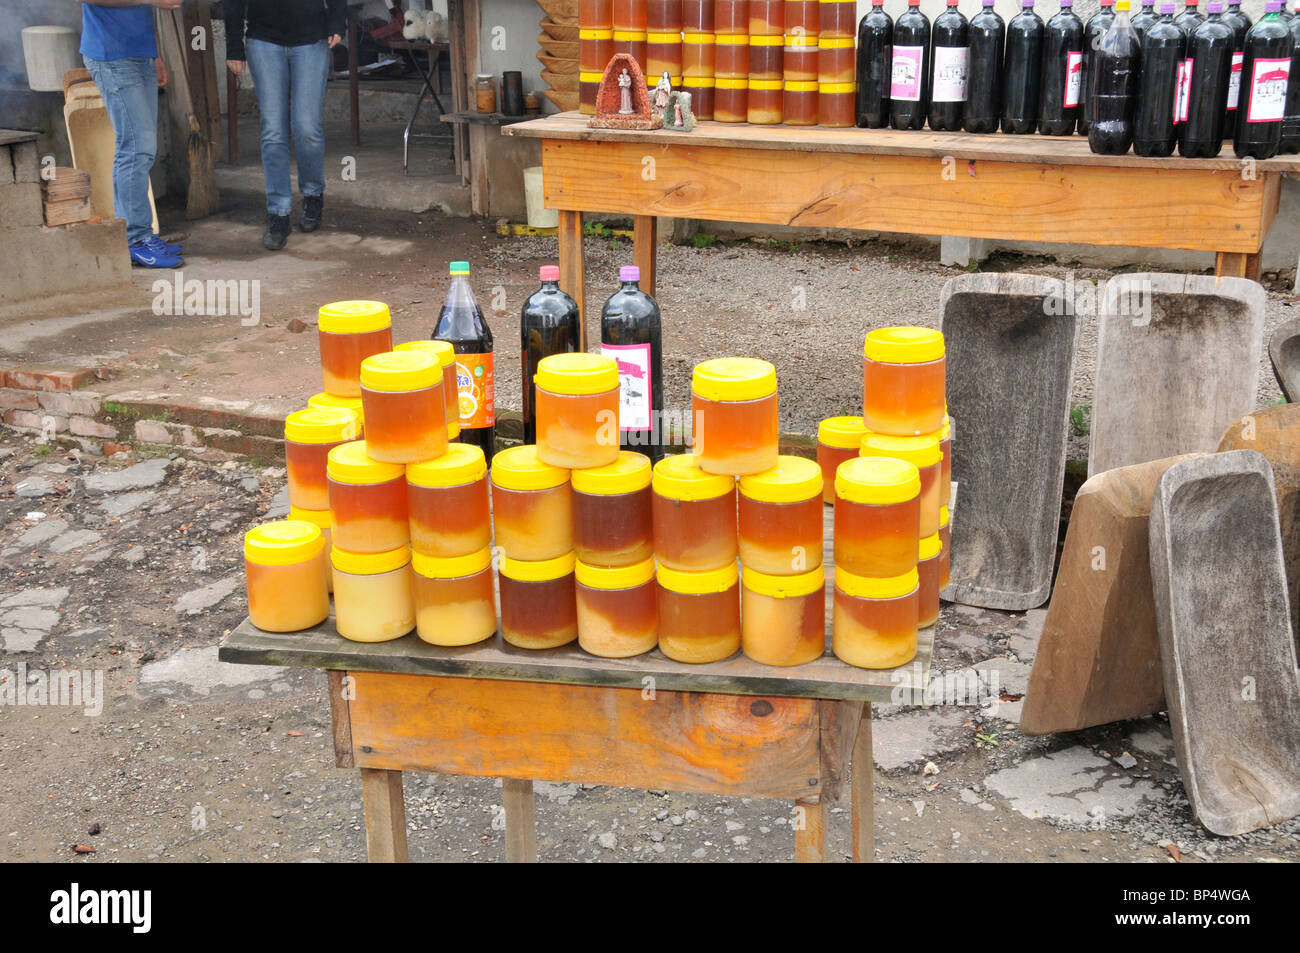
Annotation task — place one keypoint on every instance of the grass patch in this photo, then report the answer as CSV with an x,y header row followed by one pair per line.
x,y
1080,419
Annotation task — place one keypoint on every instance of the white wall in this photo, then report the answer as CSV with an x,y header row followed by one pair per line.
x,y
508,41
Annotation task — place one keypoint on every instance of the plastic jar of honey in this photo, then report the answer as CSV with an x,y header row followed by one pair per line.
x,y
877,513
945,554
733,402
350,332
838,439
783,618
944,438
372,594
924,454
454,603
309,436
618,613
766,78
284,568
324,521
539,608
367,500
836,87
445,352
699,613
698,51
927,571
664,39
780,518
903,374
731,75
577,410
612,523
447,499
694,516
406,414
532,505
349,405
873,622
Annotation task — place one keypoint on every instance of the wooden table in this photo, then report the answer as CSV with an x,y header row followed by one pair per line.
x,y
1027,188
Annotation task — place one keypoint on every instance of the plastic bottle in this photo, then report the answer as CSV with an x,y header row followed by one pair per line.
x,y
1113,83
875,38
1060,93
1093,31
909,75
984,85
1205,77
1144,19
950,70
1290,142
461,323
1163,54
1190,18
548,324
1022,70
1264,73
1240,25
630,334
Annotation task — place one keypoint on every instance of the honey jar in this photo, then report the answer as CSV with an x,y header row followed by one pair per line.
x,y
309,436
733,402
877,516
539,608
873,622
372,594
699,613
838,439
945,553
350,405
944,438
532,505
577,410
284,568
350,332
406,413
367,500
454,604
783,618
618,613
927,571
924,454
447,500
903,375
780,518
324,521
612,512
445,352
731,70
694,516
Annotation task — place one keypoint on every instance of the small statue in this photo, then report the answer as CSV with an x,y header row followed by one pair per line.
x,y
623,100
679,117
659,102
625,90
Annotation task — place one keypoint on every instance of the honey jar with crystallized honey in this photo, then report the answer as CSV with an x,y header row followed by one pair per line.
x,y
783,618
734,404
372,594
694,516
539,608
577,410
453,599
877,516
612,521
780,518
532,505
699,613
447,501
618,613
284,566
874,620
367,499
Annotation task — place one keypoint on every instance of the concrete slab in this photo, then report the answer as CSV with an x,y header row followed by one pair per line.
x,y
1074,785
140,476
918,735
199,670
1284,354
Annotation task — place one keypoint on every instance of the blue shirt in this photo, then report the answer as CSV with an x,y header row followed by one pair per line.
x,y
115,33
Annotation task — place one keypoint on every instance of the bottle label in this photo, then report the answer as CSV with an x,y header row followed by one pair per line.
x,y
1073,77
1183,91
1234,81
476,390
1268,81
950,69
905,73
635,387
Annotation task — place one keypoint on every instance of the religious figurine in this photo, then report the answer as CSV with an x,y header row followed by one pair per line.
x,y
623,101
625,90
679,117
659,101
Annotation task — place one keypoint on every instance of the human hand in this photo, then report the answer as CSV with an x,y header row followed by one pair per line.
x,y
335,40
235,66
162,71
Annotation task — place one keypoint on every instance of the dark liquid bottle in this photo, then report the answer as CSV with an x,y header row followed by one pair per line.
x,y
1240,24
984,86
950,56
549,324
1290,142
461,323
1022,71
1059,96
1163,53
1144,19
1190,18
1095,29
1205,72
909,75
1264,74
875,38
630,334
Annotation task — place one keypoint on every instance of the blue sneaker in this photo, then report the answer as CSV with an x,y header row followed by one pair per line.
x,y
156,243
146,256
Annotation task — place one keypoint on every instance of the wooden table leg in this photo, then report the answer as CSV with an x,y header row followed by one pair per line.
x,y
571,267
381,796
521,821
645,243
863,767
1229,264
810,831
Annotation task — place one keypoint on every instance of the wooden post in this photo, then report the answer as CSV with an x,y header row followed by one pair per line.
x,y
354,102
1229,264
381,795
863,767
645,240
810,831
521,821
571,267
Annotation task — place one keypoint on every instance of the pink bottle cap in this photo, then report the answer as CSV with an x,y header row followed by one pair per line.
x,y
549,272
629,273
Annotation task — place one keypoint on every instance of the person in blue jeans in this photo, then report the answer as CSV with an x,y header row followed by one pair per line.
x,y
286,44
121,51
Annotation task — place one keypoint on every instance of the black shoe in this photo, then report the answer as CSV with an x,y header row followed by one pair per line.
x,y
277,231
312,206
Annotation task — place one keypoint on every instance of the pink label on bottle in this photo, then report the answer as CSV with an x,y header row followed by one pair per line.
x,y
1234,80
1268,81
1183,91
950,65
905,73
1073,78
635,394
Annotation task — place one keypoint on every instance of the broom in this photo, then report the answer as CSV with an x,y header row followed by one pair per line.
x,y
202,199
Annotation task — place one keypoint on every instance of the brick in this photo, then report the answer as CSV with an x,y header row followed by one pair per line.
x,y
109,448
27,162
17,399
152,431
56,402
6,166
31,378
20,206
35,421
89,427
249,445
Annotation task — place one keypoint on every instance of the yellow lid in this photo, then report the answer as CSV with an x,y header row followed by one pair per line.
x,y
868,587
370,564
943,516
733,378
627,474
577,373
678,477
698,583
903,345
322,518
785,587
930,547
353,317
1121,5
756,39
451,567
320,426
620,577
444,351
348,463
844,433
462,463
323,401
944,432
539,570
283,543
878,481
920,451
395,371
519,469
792,479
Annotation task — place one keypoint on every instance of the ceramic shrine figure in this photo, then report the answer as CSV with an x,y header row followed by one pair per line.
x,y
679,117
659,101
623,101
625,93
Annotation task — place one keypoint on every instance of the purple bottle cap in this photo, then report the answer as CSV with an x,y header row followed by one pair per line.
x,y
1216,6
1027,4
1166,8
629,273
1066,4
1273,6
